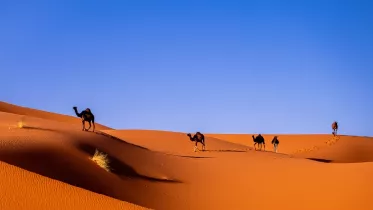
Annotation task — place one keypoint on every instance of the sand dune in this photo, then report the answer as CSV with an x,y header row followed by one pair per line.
x,y
173,142
23,190
289,144
64,155
50,162
321,147
346,149
24,111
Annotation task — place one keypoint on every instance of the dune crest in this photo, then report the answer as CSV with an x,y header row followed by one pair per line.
x,y
28,112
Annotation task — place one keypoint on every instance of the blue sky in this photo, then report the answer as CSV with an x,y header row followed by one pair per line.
x,y
212,66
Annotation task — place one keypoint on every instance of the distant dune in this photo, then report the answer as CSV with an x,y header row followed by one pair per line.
x,y
320,147
46,165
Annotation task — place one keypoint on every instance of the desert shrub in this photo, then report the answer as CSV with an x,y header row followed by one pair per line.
x,y
102,160
21,123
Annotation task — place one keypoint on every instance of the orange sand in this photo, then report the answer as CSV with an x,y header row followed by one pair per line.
x,y
46,165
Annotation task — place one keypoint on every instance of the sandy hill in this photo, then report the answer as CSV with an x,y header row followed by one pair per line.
x,y
345,149
27,112
319,147
289,144
173,142
46,165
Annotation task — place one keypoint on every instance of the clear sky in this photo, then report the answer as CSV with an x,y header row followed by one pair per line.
x,y
212,66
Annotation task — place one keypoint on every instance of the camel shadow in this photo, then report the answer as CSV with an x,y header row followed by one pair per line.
x,y
225,150
190,156
320,160
122,169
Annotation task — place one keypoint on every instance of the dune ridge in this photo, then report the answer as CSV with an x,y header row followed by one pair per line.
x,y
48,160
28,112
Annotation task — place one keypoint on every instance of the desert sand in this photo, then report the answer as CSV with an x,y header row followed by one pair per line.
x,y
46,164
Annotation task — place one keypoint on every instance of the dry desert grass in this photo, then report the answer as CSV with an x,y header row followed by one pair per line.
x,y
101,159
51,164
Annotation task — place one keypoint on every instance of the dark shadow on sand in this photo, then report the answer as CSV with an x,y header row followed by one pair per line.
x,y
122,169
320,160
42,161
190,156
117,139
225,150
95,132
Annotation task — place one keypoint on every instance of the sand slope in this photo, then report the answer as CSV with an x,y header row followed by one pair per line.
x,y
320,147
289,144
21,190
346,149
24,111
173,142
159,170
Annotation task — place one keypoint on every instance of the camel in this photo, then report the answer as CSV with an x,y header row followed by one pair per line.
x,y
275,143
259,140
335,128
86,115
198,137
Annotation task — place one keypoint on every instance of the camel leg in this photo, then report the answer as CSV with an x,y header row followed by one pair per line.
x,y
255,145
264,145
195,147
89,122
83,125
93,122
203,146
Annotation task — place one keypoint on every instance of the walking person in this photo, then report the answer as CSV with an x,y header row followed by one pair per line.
x,y
275,143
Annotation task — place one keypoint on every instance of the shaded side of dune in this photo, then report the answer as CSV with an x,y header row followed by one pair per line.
x,y
21,189
64,156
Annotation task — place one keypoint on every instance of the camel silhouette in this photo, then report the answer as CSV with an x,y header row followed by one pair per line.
x,y
260,141
335,128
86,115
198,137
